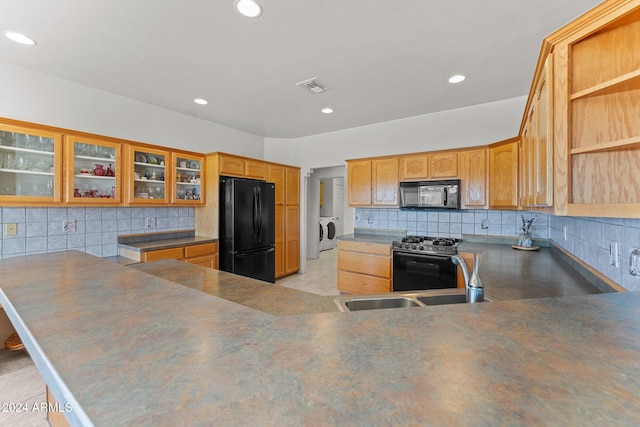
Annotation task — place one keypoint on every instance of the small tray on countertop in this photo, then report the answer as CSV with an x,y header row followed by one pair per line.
x,y
526,248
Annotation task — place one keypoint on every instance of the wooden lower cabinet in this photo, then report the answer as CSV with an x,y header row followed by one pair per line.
x,y
364,268
56,418
172,253
292,239
205,254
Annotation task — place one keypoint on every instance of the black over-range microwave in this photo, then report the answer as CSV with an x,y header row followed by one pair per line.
x,y
430,194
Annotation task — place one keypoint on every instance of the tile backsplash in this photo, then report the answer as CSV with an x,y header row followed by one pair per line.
x,y
96,229
447,223
587,238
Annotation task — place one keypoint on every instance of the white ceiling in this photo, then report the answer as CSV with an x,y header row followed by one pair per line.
x,y
382,59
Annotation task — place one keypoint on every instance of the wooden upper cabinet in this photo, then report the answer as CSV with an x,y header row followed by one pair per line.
x,y
359,182
373,182
148,177
254,169
292,195
231,166
420,166
536,145
30,164
443,165
93,171
473,178
503,174
276,174
385,179
188,185
604,141
414,167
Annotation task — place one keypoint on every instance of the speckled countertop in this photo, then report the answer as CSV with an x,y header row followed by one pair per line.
x,y
175,242
268,298
129,348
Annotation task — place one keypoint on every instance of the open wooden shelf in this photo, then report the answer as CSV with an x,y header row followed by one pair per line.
x,y
608,146
629,81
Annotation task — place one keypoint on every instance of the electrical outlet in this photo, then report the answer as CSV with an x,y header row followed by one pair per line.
x,y
11,229
634,262
564,233
151,222
69,226
613,254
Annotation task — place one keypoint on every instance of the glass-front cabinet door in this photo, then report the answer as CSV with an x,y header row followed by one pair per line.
x,y
93,171
149,176
188,184
30,165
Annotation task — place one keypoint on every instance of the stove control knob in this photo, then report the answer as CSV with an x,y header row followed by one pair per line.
x,y
414,247
421,248
406,246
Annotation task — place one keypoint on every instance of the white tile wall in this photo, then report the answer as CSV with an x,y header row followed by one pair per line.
x,y
589,239
97,229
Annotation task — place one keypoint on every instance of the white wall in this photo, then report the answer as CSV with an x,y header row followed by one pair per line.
x,y
463,127
34,97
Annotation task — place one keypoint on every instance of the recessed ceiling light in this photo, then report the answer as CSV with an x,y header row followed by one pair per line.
x,y
457,78
19,38
201,101
249,8
327,110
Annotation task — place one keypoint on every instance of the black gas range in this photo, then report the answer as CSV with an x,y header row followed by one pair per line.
x,y
427,245
422,262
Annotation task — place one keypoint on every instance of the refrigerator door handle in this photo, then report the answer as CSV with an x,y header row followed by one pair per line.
x,y
251,254
255,213
259,214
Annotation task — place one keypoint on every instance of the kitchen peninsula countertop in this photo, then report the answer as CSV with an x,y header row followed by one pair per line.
x,y
510,274
155,241
129,348
266,297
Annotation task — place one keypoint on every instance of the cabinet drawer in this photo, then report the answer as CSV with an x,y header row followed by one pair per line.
x,y
355,283
199,250
371,265
208,261
370,248
173,253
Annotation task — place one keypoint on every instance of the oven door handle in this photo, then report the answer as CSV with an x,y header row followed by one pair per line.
x,y
420,255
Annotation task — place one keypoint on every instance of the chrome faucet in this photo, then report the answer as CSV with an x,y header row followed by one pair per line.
x,y
472,282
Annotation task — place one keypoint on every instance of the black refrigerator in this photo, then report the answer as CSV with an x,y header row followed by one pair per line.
x,y
247,228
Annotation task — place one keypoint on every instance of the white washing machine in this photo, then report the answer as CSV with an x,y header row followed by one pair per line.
x,y
327,233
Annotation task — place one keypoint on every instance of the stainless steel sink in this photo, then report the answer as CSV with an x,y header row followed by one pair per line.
x,y
376,303
401,299
442,299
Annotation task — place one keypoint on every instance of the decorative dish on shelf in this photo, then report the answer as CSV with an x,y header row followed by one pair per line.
x,y
152,160
140,158
194,165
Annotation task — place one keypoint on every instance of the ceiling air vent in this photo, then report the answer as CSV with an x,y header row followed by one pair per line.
x,y
312,85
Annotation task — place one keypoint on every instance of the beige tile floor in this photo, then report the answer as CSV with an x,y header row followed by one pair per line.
x,y
321,277
22,385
